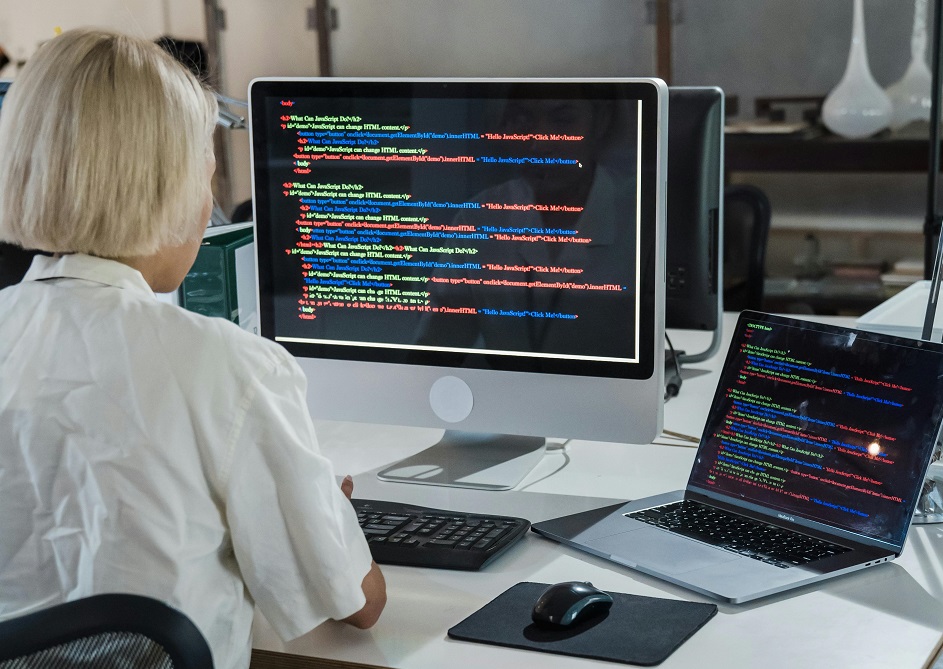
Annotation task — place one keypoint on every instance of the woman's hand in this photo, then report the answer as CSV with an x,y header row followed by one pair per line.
x,y
347,486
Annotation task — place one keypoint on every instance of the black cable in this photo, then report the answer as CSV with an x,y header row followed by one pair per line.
x,y
672,372
931,262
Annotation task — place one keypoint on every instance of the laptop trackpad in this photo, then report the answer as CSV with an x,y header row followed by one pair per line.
x,y
661,550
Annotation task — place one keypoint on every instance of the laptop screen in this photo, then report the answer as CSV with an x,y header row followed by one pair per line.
x,y
823,423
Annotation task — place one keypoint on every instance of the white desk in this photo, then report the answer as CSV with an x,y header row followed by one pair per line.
x,y
888,616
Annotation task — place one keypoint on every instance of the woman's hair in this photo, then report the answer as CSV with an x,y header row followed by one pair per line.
x,y
105,142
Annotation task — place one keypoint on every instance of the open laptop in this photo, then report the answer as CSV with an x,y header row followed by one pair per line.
x,y
817,442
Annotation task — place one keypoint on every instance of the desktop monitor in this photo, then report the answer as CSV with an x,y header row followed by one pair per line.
x,y
693,291
482,256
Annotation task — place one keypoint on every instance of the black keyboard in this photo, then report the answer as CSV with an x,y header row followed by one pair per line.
x,y
418,536
755,539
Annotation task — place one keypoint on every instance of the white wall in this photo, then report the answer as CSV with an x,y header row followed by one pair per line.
x,y
433,38
261,39
375,38
748,47
493,38
25,24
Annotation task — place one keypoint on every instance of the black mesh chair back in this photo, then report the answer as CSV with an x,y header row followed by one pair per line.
x,y
242,212
14,261
115,631
746,229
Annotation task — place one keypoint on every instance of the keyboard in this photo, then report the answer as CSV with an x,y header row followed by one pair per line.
x,y
755,539
417,536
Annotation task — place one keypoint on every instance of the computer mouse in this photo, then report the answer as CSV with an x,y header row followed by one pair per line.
x,y
568,603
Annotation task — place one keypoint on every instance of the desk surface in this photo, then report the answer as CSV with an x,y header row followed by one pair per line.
x,y
890,615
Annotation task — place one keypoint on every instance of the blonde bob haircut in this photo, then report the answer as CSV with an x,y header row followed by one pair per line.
x,y
105,143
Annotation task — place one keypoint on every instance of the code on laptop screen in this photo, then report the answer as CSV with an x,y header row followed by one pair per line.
x,y
822,423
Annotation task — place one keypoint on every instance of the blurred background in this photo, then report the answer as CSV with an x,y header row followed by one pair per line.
x,y
852,210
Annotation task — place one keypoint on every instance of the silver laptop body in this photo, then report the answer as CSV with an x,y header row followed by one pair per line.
x,y
823,430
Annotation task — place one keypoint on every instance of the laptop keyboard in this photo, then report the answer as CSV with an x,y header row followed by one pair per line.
x,y
417,536
754,539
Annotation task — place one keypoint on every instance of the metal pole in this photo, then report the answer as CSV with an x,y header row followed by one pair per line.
x,y
932,222
223,175
322,9
663,40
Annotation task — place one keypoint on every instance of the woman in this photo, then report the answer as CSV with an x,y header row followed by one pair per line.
x,y
144,448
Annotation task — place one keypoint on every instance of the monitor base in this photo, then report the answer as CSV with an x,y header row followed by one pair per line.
x,y
711,349
930,505
470,460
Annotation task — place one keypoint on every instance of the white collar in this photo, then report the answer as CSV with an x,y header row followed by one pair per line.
x,y
88,268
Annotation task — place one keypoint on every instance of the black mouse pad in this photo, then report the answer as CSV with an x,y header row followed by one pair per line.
x,y
636,630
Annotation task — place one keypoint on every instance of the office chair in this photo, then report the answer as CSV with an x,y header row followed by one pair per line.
x,y
104,632
242,212
746,229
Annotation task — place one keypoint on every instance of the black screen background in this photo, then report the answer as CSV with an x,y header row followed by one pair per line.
x,y
456,110
804,413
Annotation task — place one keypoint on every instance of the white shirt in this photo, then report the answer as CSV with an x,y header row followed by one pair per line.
x,y
147,449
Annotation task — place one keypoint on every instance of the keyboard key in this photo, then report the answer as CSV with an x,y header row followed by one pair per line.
x,y
422,537
758,540
375,526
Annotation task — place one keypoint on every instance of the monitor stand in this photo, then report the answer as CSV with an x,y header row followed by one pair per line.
x,y
711,349
930,503
470,460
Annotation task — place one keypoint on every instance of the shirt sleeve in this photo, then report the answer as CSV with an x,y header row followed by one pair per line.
x,y
302,554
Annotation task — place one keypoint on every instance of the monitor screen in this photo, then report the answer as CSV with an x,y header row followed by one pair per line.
x,y
695,184
479,255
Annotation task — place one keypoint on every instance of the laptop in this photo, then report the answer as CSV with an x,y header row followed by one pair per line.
x,y
810,465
